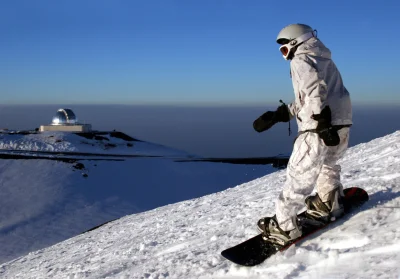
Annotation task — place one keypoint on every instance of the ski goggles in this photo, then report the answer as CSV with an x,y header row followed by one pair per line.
x,y
287,49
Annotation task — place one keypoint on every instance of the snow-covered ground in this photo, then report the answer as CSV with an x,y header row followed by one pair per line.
x,y
47,201
71,142
184,240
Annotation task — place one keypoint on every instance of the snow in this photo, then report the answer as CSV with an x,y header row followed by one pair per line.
x,y
184,239
71,142
47,201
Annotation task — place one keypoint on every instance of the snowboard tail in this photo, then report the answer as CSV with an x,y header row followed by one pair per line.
x,y
256,250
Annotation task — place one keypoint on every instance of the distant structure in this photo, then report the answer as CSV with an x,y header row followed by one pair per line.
x,y
66,121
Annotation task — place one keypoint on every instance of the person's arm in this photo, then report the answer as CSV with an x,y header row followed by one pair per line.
x,y
315,114
312,90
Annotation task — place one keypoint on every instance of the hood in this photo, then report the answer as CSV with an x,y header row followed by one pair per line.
x,y
314,47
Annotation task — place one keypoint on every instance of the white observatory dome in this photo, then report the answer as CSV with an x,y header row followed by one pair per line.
x,y
64,117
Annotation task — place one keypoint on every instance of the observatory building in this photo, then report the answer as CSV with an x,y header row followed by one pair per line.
x,y
66,121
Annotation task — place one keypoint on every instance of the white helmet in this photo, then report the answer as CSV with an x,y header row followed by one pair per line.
x,y
292,32
293,35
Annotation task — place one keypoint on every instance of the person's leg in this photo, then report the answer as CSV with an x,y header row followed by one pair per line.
x,y
329,177
327,204
303,169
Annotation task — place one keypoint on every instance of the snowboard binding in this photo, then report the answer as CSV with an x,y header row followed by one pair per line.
x,y
271,231
327,211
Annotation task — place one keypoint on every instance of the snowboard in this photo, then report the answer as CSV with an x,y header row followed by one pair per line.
x,y
256,250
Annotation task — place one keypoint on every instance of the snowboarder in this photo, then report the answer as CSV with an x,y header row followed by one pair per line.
x,y
322,108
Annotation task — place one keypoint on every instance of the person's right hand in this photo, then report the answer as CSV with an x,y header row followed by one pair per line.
x,y
270,118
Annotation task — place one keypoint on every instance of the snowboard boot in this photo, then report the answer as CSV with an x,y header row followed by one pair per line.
x,y
271,231
325,211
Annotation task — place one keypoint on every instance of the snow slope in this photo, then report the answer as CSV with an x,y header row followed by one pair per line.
x,y
47,201
183,240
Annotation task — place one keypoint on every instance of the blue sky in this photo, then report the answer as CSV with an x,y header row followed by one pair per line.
x,y
209,52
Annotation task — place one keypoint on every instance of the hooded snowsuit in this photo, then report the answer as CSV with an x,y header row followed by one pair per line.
x,y
317,83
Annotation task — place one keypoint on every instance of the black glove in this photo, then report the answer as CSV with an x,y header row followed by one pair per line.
x,y
270,118
325,130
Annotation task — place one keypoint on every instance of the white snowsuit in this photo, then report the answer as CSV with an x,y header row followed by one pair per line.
x,y
317,83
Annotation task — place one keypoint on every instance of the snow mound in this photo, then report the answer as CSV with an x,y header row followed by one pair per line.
x,y
184,240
